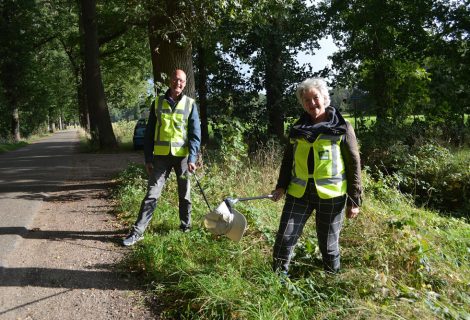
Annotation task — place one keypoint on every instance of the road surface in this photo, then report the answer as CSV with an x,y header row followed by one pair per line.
x,y
27,175
59,241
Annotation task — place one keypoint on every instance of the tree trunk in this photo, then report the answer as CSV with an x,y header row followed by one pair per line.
x,y
99,113
10,89
80,76
274,86
82,100
202,92
167,55
15,124
378,92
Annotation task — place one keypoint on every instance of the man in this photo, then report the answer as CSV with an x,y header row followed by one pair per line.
x,y
172,141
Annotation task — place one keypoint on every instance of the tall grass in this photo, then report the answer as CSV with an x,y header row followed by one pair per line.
x,y
123,131
398,261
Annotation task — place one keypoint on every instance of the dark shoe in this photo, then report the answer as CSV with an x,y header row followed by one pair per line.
x,y
132,239
185,228
283,277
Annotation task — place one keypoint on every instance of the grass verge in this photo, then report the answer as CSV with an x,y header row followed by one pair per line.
x,y
398,261
9,145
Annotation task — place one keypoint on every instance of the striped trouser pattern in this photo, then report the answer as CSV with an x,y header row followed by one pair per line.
x,y
328,219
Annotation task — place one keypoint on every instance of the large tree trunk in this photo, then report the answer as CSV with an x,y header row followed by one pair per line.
x,y
9,74
101,127
379,93
15,124
80,76
12,101
166,54
274,86
202,92
84,115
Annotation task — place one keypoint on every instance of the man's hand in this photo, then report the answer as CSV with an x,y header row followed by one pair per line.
x,y
352,212
149,168
278,194
191,167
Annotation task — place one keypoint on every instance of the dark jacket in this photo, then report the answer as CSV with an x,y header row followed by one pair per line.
x,y
336,125
194,131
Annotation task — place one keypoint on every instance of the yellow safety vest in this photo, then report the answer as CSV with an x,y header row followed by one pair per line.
x,y
171,131
329,172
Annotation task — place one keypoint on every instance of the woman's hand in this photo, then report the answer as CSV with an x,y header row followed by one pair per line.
x,y
352,212
277,194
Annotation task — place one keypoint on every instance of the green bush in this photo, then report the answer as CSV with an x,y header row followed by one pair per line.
x,y
407,158
436,178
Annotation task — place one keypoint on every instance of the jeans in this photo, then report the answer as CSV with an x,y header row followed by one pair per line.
x,y
162,166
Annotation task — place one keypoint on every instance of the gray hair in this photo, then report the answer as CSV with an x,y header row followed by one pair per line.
x,y
316,83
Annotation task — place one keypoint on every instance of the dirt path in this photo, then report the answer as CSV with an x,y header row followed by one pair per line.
x,y
67,264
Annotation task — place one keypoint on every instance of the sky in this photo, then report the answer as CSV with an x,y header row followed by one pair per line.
x,y
320,58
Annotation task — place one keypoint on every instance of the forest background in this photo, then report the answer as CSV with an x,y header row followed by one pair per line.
x,y
401,71
400,74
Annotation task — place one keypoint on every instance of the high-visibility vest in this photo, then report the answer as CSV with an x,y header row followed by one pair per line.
x,y
329,172
171,131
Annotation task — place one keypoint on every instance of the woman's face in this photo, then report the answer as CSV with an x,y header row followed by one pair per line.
x,y
314,104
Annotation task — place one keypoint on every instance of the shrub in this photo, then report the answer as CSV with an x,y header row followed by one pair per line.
x,y
431,173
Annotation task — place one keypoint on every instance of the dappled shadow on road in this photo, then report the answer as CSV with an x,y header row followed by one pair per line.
x,y
36,233
104,279
42,189
75,192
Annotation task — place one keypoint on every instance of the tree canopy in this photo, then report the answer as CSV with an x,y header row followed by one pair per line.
x,y
405,57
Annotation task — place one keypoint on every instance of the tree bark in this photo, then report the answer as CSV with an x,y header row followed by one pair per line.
x,y
378,92
11,99
101,128
10,85
84,115
202,92
167,55
15,124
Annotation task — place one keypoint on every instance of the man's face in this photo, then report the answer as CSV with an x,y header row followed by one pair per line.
x,y
178,82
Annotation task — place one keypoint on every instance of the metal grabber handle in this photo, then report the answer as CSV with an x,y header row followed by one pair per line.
x,y
255,198
232,201
202,190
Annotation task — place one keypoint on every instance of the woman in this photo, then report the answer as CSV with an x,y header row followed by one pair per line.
x,y
320,171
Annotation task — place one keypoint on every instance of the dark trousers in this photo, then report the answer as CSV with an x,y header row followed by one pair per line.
x,y
328,218
162,166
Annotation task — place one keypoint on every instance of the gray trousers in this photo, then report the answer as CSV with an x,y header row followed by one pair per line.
x,y
328,218
162,166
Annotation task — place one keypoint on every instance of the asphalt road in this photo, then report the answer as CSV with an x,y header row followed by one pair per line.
x,y
59,251
26,177
29,174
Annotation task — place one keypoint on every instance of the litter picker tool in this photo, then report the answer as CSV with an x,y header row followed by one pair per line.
x,y
225,220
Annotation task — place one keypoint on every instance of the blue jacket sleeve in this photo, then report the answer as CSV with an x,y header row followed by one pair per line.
x,y
194,134
150,135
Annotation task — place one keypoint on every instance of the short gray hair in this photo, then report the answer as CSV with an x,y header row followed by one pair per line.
x,y
316,83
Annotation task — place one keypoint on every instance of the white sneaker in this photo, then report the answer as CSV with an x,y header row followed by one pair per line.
x,y
132,239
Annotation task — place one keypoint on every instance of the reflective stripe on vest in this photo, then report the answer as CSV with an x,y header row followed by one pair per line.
x,y
329,172
172,127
